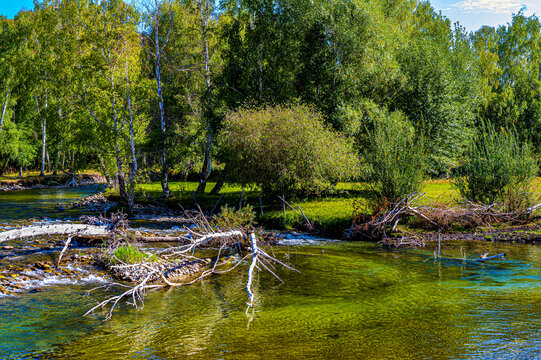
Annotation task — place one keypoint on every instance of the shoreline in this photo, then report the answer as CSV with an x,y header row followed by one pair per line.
x,y
50,182
512,234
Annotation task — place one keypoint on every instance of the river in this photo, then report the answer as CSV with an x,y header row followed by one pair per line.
x,y
352,300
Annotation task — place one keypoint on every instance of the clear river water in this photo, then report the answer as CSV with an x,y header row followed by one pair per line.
x,y
352,300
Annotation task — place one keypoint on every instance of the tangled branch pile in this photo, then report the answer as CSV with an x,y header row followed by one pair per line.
x,y
146,270
436,217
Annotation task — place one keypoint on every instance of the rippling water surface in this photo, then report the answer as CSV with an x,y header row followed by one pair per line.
x,y
351,300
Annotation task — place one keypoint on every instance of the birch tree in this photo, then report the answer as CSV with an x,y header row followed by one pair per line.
x,y
160,23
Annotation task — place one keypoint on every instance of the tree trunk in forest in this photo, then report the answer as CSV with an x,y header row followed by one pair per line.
x,y
4,167
220,183
44,136
205,12
110,181
207,165
55,166
44,145
159,89
121,182
133,163
4,108
260,60
165,170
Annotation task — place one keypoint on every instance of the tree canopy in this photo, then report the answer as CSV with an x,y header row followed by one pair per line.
x,y
146,88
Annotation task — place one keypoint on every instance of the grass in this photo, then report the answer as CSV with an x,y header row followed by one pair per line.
x,y
331,214
129,254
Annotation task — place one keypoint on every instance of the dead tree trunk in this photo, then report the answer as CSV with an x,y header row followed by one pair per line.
x,y
57,229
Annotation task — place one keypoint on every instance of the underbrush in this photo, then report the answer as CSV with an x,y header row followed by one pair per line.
x,y
497,168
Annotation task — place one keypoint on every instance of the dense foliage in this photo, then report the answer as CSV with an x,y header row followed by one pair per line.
x,y
497,167
141,89
396,159
286,150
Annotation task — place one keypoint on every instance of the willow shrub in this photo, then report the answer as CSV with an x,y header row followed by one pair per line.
x,y
396,160
286,150
497,168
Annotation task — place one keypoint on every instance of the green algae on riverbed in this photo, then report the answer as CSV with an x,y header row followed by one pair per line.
x,y
352,300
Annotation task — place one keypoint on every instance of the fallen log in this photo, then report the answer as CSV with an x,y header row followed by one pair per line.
x,y
174,239
82,230
486,258
85,231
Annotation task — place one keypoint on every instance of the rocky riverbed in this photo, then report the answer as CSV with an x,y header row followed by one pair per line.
x,y
30,266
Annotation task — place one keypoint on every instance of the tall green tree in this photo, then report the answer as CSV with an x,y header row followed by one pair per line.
x,y
509,60
440,92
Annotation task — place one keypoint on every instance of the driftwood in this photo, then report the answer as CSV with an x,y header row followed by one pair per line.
x,y
137,292
440,218
56,229
487,258
115,231
381,223
77,231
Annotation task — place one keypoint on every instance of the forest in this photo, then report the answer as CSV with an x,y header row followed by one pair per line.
x,y
289,95
239,140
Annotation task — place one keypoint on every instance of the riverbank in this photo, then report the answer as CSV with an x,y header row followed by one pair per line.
x,y
29,182
329,215
346,294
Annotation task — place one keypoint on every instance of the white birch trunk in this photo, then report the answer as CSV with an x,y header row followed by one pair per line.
x,y
57,229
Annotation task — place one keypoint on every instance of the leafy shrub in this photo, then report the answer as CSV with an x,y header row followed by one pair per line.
x,y
286,149
396,159
229,218
497,167
129,254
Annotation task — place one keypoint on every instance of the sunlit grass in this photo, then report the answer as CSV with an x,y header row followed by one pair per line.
x,y
129,254
331,214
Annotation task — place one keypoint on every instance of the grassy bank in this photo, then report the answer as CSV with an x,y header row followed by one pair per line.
x,y
331,214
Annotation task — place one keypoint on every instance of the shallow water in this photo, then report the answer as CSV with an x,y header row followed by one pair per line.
x,y
351,301
40,203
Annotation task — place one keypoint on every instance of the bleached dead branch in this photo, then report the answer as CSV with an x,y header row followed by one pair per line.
x,y
137,292
55,229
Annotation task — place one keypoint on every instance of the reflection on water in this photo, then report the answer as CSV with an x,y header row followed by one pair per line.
x,y
40,203
355,301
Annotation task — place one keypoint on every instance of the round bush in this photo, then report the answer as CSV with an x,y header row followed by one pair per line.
x,y
286,150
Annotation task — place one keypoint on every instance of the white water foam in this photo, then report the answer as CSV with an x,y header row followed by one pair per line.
x,y
94,279
300,239
39,278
